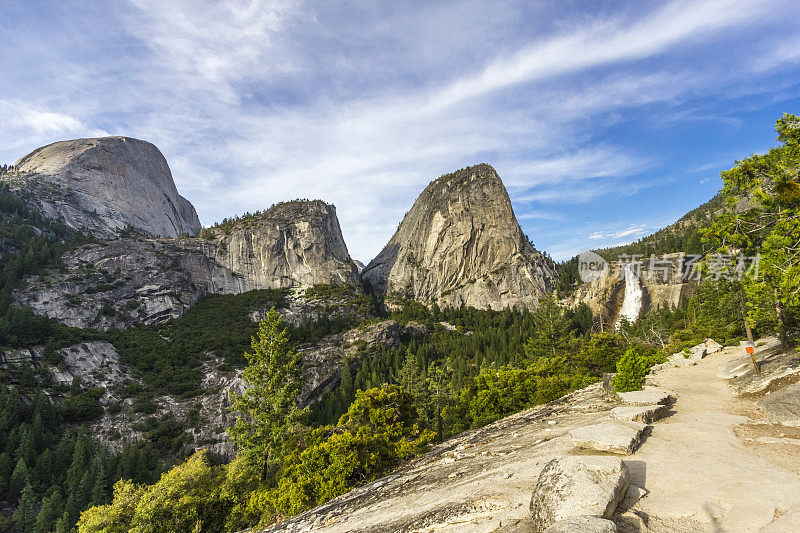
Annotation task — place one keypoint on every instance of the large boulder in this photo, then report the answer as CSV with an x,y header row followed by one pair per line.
x,y
783,405
461,245
104,186
576,486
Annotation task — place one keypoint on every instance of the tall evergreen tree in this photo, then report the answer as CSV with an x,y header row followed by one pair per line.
x,y
770,183
25,514
551,335
19,479
269,414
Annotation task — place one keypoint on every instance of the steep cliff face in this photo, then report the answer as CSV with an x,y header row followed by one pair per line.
x,y
127,281
292,244
105,185
130,281
461,245
663,283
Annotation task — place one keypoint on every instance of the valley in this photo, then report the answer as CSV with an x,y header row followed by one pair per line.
x,y
257,373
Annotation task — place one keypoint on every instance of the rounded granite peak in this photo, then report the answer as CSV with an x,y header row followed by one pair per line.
x,y
461,245
106,185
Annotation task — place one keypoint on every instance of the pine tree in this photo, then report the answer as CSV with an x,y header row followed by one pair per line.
x,y
346,392
27,447
45,466
551,335
99,487
269,415
769,183
63,525
25,515
19,479
49,513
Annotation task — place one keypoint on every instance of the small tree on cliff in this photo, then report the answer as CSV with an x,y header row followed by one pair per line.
x,y
270,417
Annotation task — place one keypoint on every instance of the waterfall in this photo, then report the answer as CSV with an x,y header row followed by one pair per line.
x,y
632,303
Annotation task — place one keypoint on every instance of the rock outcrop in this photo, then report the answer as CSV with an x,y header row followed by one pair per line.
x,y
146,281
322,362
612,436
461,245
105,186
663,281
570,487
95,364
292,244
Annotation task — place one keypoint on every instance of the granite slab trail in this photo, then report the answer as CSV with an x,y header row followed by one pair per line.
x,y
692,472
700,476
612,436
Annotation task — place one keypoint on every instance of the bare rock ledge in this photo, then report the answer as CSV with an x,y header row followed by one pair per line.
x,y
571,487
646,414
648,396
584,524
613,436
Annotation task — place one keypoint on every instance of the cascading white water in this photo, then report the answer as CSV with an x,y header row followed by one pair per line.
x,y
632,303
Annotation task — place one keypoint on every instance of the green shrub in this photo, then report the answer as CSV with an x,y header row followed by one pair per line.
x,y
84,406
632,369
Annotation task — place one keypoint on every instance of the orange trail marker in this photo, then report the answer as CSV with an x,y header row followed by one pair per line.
x,y
752,352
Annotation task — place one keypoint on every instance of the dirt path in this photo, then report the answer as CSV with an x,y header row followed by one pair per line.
x,y
700,473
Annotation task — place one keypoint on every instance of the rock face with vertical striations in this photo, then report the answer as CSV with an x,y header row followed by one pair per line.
x,y
292,244
104,186
461,245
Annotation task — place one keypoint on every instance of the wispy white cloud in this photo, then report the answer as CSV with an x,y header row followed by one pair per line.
x,y
631,231
362,104
24,122
216,43
583,164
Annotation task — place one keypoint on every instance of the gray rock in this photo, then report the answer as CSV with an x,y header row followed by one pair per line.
x,y
646,414
95,364
461,245
774,365
576,486
583,524
104,186
298,244
694,354
712,346
783,405
614,436
292,244
647,396
322,362
139,281
416,329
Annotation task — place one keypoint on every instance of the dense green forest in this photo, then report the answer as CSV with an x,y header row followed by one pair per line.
x,y
393,402
466,369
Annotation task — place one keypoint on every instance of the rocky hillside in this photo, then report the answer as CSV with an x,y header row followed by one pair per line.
x,y
604,462
145,281
663,283
105,186
665,280
461,245
291,244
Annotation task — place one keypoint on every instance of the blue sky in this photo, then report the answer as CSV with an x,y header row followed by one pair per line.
x,y
606,120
